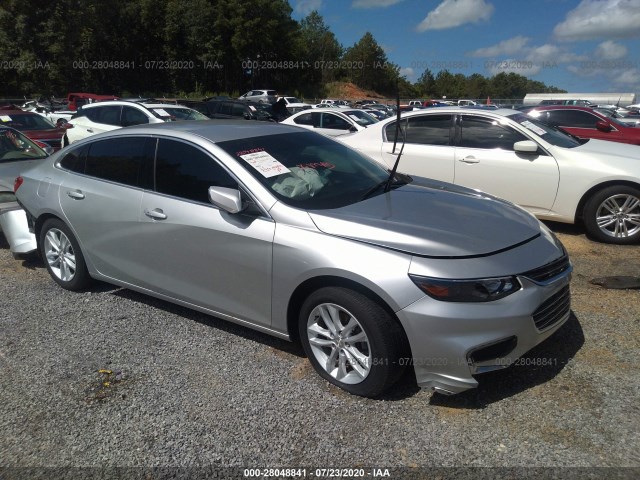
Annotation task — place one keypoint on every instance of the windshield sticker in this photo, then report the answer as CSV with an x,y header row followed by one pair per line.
x,y
5,118
264,163
315,165
252,108
533,128
162,112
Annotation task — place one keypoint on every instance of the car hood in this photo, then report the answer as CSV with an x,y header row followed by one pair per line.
x,y
605,147
432,219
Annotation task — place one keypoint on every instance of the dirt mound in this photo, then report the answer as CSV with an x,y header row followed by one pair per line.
x,y
350,91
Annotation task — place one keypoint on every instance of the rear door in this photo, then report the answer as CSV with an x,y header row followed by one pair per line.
x,y
101,199
428,150
485,160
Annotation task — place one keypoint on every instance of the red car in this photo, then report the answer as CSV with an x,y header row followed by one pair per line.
x,y
76,100
584,122
34,126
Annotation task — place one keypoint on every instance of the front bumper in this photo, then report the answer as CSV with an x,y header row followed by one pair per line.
x,y
13,222
451,342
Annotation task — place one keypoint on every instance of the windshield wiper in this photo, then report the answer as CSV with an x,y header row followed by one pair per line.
x,y
383,184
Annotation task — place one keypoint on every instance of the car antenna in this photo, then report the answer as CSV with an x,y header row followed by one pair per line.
x,y
392,174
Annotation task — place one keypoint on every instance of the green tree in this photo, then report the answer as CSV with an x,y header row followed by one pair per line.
x,y
320,51
368,67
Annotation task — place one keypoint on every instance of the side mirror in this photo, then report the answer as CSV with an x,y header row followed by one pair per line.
x,y
353,129
525,146
228,199
603,126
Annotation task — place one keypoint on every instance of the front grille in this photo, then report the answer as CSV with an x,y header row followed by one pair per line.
x,y
548,271
553,309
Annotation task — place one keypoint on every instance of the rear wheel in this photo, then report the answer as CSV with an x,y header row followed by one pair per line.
x,y
62,256
612,215
351,341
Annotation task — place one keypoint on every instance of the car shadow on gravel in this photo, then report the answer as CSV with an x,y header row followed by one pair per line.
x,y
538,366
211,321
572,229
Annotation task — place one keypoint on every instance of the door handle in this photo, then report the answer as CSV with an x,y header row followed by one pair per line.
x,y
156,214
469,159
90,130
75,194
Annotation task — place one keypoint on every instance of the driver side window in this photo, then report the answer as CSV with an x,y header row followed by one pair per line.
x,y
487,133
184,171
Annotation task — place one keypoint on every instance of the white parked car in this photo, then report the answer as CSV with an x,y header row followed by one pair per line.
x,y
508,154
260,96
294,102
106,116
332,122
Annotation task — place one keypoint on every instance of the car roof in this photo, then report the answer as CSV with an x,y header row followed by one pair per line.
x,y
561,107
213,130
503,112
166,105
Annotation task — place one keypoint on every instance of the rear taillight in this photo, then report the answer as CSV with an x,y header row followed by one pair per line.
x,y
16,184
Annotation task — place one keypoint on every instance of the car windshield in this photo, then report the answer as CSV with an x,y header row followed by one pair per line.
x,y
26,121
360,116
293,100
180,113
307,170
15,146
545,131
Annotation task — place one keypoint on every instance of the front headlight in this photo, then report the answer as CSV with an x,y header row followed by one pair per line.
x,y
472,290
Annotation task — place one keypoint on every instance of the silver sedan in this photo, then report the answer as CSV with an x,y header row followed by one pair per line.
x,y
294,234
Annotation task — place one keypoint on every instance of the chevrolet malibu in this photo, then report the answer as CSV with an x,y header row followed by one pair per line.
x,y
294,234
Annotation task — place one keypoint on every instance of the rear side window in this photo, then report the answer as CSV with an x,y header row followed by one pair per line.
x,y
304,119
75,159
422,130
121,160
185,171
109,115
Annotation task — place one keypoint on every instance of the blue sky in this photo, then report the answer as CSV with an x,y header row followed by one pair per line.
x,y
576,45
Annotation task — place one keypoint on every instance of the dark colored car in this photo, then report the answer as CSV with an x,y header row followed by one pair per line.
x,y
33,125
236,109
584,122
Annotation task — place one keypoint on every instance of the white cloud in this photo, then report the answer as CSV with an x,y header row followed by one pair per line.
x,y
506,47
611,50
453,13
548,53
409,73
601,18
305,7
373,3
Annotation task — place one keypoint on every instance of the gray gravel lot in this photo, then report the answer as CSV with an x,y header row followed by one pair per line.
x,y
192,391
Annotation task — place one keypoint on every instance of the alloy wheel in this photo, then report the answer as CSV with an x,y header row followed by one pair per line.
x,y
619,215
339,343
60,255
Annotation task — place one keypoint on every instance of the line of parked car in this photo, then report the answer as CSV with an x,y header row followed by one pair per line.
x,y
284,229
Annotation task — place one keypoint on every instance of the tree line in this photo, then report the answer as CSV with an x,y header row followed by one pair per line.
x,y
160,47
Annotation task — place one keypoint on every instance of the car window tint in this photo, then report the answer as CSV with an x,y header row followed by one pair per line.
x,y
185,171
109,115
238,110
118,160
334,122
133,116
75,159
480,132
226,108
304,119
572,118
423,130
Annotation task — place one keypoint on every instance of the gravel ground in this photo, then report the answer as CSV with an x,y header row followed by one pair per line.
x,y
189,393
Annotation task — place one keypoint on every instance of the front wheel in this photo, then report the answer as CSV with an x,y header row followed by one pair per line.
x,y
351,341
62,256
612,215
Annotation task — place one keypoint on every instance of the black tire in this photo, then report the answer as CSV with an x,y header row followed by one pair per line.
x,y
68,277
385,340
601,203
